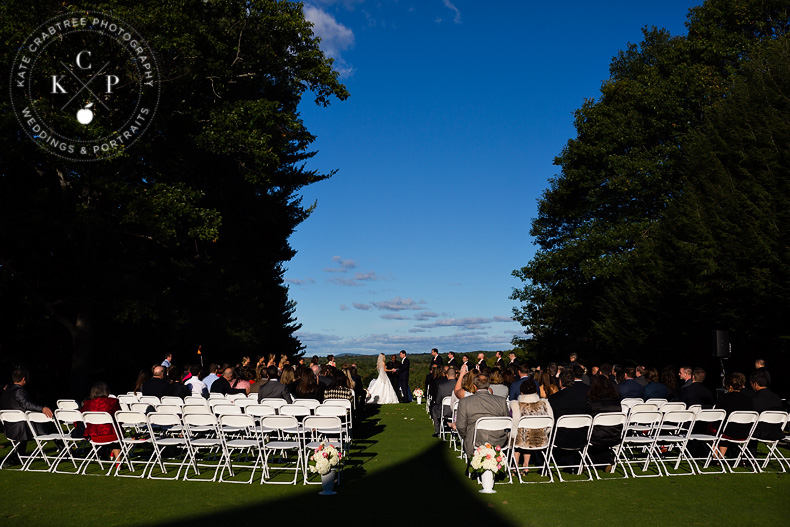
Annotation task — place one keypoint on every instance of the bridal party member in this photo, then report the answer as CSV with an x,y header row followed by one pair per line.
x,y
403,377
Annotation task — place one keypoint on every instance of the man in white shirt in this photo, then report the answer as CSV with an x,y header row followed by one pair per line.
x,y
197,386
168,358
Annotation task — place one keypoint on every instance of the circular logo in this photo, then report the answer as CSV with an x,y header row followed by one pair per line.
x,y
85,86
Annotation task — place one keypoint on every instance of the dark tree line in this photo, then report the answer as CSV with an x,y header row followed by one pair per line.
x,y
180,242
669,217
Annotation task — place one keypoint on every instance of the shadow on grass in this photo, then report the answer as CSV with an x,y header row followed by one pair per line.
x,y
429,487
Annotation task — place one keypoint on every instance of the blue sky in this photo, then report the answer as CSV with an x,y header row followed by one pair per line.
x,y
457,111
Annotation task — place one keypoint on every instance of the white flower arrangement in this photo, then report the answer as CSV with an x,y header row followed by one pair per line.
x,y
488,457
324,458
418,392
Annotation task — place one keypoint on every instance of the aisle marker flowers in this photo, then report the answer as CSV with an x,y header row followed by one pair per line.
x,y
418,392
488,457
325,457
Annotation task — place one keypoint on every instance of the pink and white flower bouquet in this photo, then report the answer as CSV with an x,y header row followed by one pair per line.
x,y
487,457
324,458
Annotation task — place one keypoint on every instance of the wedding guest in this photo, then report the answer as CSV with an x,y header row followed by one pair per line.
x,y
629,388
669,379
515,387
470,409
617,374
270,386
213,375
640,376
16,397
166,363
498,384
241,380
222,384
685,373
763,400
528,404
603,397
156,385
339,389
99,401
451,360
734,400
654,389
696,392
176,388
307,387
572,397
143,376
443,388
547,384
196,386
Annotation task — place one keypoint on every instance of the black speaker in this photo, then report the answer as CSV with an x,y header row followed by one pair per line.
x,y
721,344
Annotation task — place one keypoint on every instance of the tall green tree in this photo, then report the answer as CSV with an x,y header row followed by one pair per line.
x,y
622,171
181,241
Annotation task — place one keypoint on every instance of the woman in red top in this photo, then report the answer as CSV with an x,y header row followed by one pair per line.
x,y
100,402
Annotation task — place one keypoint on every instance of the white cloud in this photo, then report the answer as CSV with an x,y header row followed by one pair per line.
x,y
425,315
398,304
394,316
345,265
465,322
344,307
358,280
449,5
363,307
296,281
335,37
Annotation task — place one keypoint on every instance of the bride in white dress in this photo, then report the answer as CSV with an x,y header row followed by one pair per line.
x,y
380,390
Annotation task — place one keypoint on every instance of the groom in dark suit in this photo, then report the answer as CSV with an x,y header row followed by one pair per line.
x,y
403,377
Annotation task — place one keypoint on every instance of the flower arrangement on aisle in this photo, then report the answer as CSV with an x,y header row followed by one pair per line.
x,y
488,457
324,458
418,393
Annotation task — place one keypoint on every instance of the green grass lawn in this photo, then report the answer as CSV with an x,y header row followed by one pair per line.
x,y
397,475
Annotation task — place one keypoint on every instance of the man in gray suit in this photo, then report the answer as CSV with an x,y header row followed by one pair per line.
x,y
482,404
443,388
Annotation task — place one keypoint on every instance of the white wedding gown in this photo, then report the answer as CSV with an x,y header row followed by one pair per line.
x,y
381,391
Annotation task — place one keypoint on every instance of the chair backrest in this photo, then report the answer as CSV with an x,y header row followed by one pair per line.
x,y
532,422
241,403
196,409
773,417
225,409
296,410
139,407
682,419
253,396
322,424
648,419
644,407
672,407
169,409
274,402
573,421
97,418
628,402
494,423
68,404
200,420
233,396
309,403
238,421
280,422
150,399
710,416
345,403
195,399
13,416
68,416
330,410
128,399
447,402
609,419
217,395
657,401
259,410
696,408
743,417
124,418
173,400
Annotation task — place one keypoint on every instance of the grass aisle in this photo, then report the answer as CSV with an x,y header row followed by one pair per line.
x,y
397,475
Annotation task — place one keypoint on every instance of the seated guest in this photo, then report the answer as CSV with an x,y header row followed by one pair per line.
x,y
195,385
734,400
157,385
763,400
142,377
670,380
241,379
547,384
222,384
640,375
270,385
523,376
528,404
16,397
213,375
654,389
442,388
307,386
176,388
482,404
603,398
498,384
629,387
99,401
696,392
570,399
339,388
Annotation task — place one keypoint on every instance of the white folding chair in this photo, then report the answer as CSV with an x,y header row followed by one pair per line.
x,y
614,424
771,423
14,417
274,402
234,396
243,403
534,422
444,428
134,435
172,400
174,409
244,438
641,431
128,400
496,424
226,409
571,434
150,399
704,422
309,403
659,402
195,399
344,437
748,419
44,432
162,440
201,432
318,429
628,402
99,419
216,395
75,446
673,434
69,404
672,407
349,406
286,441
